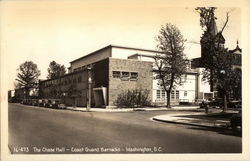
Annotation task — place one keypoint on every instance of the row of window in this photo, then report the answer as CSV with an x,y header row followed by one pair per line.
x,y
63,81
125,75
79,68
184,77
175,94
161,94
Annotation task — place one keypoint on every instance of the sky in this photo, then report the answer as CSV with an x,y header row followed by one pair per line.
x,y
62,30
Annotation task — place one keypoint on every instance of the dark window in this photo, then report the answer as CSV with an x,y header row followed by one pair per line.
x,y
157,77
163,94
125,76
172,94
177,94
158,94
185,93
79,79
74,80
116,74
69,81
133,75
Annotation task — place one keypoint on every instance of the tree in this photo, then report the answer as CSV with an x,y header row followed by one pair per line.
x,y
225,77
55,70
74,93
171,63
217,60
27,76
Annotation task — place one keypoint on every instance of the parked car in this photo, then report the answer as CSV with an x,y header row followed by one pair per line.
x,y
44,102
29,102
234,104
55,103
236,122
215,103
48,103
62,106
34,102
40,102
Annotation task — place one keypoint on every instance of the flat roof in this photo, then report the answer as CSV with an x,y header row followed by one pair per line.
x,y
114,46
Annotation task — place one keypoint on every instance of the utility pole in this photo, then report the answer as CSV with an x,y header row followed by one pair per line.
x,y
89,68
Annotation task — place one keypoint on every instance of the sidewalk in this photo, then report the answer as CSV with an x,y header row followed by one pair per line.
x,y
177,108
195,119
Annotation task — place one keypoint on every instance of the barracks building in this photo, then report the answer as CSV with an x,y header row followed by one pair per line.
x,y
109,71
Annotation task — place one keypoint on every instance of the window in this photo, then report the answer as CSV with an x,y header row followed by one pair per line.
x,y
116,74
172,94
185,93
163,93
177,94
133,75
158,94
125,75
79,79
157,77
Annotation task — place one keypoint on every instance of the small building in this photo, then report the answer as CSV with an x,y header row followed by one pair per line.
x,y
111,71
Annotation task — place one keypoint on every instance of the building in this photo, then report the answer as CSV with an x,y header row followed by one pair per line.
x,y
110,71
207,55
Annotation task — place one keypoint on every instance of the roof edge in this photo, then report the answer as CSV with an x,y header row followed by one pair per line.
x,y
114,46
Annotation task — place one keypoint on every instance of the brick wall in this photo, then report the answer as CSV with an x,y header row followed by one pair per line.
x,y
48,88
117,85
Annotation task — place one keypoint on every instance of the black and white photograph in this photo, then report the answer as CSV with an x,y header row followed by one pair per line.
x,y
120,80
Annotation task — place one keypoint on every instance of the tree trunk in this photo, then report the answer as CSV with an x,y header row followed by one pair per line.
x,y
168,99
75,102
225,103
27,93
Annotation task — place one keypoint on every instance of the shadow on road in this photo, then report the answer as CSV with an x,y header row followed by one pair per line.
x,y
219,131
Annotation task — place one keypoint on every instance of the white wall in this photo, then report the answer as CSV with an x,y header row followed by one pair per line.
x,y
188,86
204,86
123,53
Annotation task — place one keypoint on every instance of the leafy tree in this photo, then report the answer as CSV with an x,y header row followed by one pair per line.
x,y
172,63
27,76
217,60
74,93
55,70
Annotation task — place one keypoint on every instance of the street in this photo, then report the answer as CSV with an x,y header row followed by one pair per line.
x,y
43,130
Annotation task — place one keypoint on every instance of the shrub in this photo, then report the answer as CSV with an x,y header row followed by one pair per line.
x,y
133,98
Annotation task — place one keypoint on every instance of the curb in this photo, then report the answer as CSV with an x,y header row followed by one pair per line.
x,y
109,111
183,123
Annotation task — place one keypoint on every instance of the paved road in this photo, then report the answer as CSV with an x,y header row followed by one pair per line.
x,y
43,130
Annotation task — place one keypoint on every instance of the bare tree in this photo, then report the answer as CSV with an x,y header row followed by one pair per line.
x,y
171,63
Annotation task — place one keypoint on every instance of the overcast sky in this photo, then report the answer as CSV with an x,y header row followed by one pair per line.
x,y
42,31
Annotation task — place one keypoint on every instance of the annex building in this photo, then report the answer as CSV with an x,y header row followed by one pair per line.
x,y
112,70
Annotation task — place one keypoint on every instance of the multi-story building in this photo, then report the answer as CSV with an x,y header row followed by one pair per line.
x,y
115,69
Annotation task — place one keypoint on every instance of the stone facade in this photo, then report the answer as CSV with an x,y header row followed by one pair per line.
x,y
119,85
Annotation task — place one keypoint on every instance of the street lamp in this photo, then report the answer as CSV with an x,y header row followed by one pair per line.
x,y
89,68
